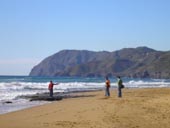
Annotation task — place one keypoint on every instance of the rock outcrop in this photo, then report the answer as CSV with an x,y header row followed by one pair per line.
x,y
131,62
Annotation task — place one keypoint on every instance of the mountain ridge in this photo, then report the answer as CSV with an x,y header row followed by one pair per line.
x,y
142,62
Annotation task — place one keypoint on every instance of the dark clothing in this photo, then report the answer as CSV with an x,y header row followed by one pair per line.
x,y
119,92
51,92
120,82
107,91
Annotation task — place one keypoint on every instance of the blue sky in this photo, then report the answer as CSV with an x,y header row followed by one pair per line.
x,y
31,30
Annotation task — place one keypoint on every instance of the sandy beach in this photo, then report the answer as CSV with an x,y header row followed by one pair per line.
x,y
138,108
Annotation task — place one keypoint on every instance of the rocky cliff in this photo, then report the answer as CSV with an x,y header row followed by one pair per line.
x,y
130,62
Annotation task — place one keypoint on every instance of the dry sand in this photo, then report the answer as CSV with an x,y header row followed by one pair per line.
x,y
139,108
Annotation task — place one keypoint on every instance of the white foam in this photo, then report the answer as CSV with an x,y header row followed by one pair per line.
x,y
147,84
10,90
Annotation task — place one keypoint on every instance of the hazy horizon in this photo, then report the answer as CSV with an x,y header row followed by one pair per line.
x,y
32,30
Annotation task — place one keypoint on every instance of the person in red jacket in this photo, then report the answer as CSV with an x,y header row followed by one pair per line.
x,y
107,91
50,88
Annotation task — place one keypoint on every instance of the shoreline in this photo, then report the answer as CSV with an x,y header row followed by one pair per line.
x,y
138,108
38,99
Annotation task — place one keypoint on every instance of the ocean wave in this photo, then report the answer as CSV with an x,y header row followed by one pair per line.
x,y
10,90
141,83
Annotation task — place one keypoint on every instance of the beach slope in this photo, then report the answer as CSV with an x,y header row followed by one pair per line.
x,y
138,108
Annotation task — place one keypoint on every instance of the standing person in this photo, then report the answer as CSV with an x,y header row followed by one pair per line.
x,y
120,86
107,91
50,88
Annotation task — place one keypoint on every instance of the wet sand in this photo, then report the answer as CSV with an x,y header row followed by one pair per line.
x,y
138,108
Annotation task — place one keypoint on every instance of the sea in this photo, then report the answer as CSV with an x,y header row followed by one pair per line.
x,y
13,87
